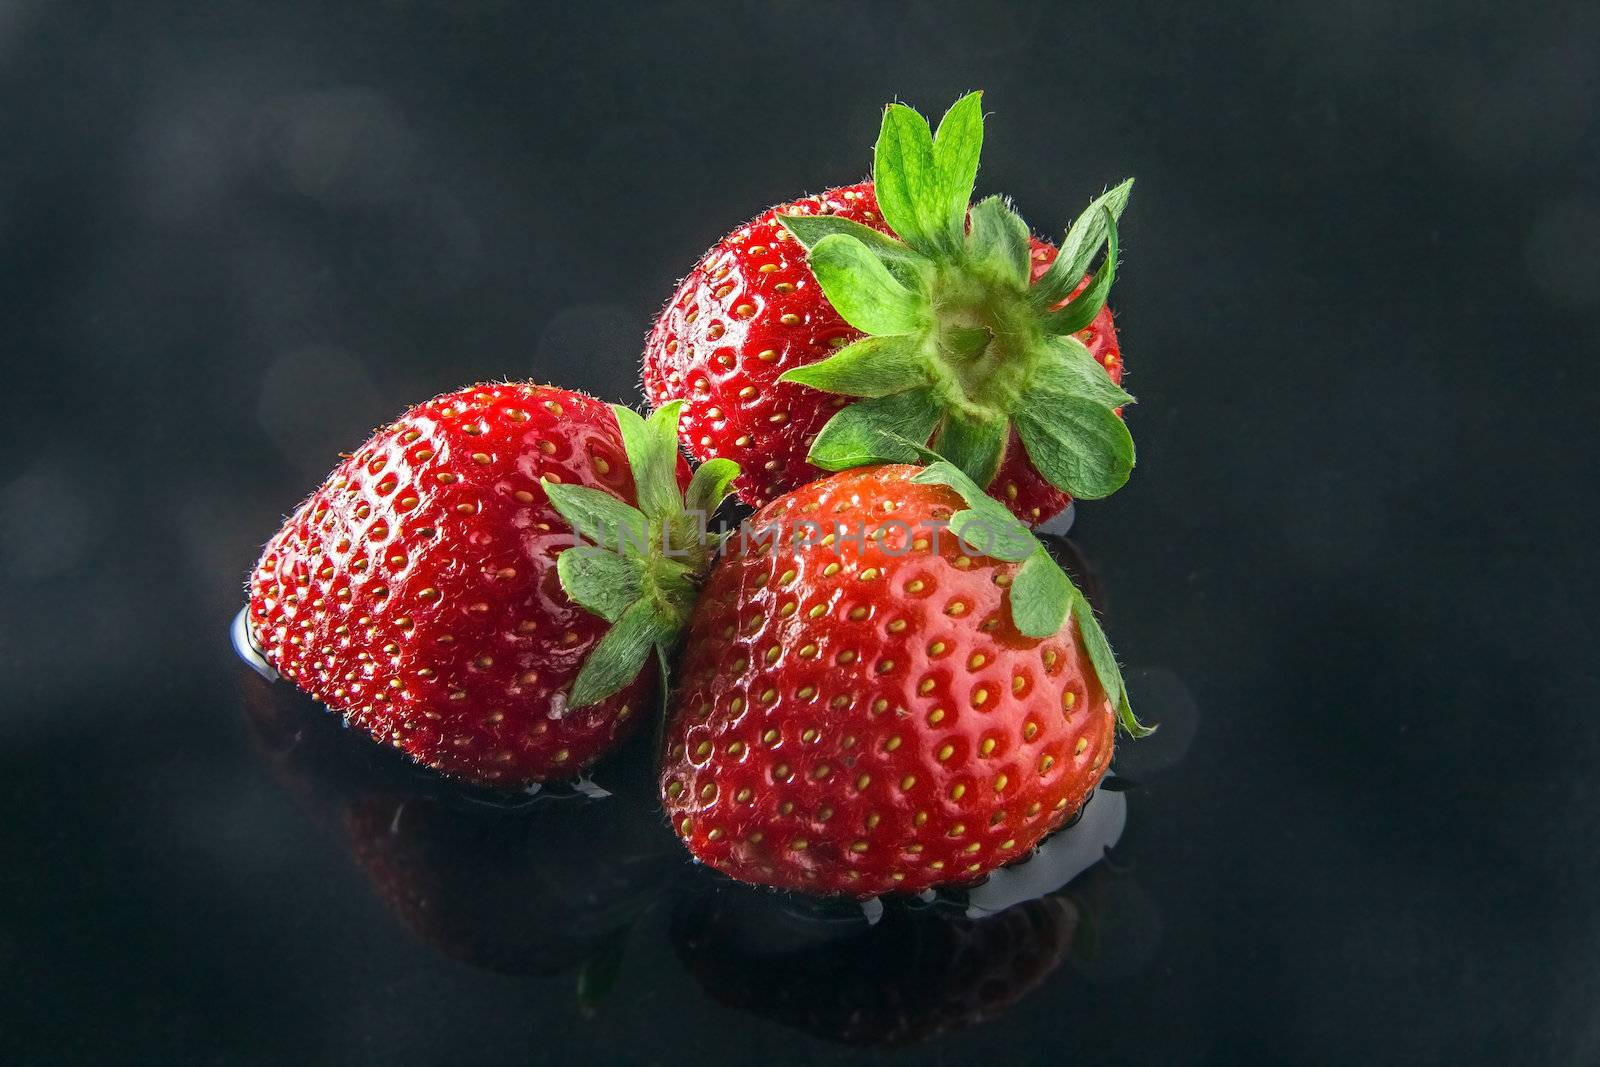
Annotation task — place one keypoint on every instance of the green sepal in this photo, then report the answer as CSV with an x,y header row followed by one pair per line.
x,y
867,432
709,485
647,586
923,185
1041,595
1079,446
903,262
863,291
604,583
1081,309
998,243
1070,369
621,654
652,449
975,445
600,517
1106,668
957,144
872,366
1078,247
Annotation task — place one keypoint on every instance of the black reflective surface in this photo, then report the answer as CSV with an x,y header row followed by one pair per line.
x,y
1352,575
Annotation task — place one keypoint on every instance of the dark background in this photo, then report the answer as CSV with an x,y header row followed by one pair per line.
x,y
1352,571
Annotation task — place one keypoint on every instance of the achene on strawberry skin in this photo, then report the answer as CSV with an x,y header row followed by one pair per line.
x,y
862,713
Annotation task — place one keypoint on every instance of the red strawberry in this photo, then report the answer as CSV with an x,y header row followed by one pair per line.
x,y
872,706
418,591
981,339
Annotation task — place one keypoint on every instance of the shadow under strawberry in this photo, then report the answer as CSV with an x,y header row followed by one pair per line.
x,y
517,884
918,972
921,969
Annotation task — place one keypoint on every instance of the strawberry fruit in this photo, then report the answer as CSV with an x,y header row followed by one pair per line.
x,y
433,591
803,337
868,704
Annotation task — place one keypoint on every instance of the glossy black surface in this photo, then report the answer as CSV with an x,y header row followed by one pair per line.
x,y
1352,575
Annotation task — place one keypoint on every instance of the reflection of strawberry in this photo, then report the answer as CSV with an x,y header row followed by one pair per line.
x,y
872,307
883,709
913,975
424,591
533,887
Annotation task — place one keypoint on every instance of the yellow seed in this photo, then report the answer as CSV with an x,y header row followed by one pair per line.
x,y
863,781
892,744
1000,781
1068,698
830,570
897,625
915,586
818,611
979,697
859,846
822,771
936,716
987,746
736,748
742,796
957,791
1083,743
936,649
977,660
806,692
870,574
908,781
945,752
798,844
857,613
809,736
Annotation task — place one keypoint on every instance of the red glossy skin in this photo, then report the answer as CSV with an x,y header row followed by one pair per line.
x,y
751,310
847,719
416,590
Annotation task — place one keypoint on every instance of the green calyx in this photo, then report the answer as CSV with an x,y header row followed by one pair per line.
x,y
638,567
1041,595
961,349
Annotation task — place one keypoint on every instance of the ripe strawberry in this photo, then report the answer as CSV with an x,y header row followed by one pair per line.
x,y
982,339
872,706
423,590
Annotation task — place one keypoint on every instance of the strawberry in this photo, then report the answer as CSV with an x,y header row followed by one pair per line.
x,y
890,306
868,703
433,591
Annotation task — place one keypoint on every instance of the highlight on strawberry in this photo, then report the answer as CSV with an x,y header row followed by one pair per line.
x,y
913,699
808,339
492,582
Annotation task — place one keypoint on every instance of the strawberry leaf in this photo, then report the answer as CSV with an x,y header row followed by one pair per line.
x,y
1070,370
652,449
869,432
1041,595
903,175
872,366
1078,247
600,517
1081,309
710,484
976,445
647,587
621,653
1079,446
903,262
998,242
602,582
863,291
956,147
1105,666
